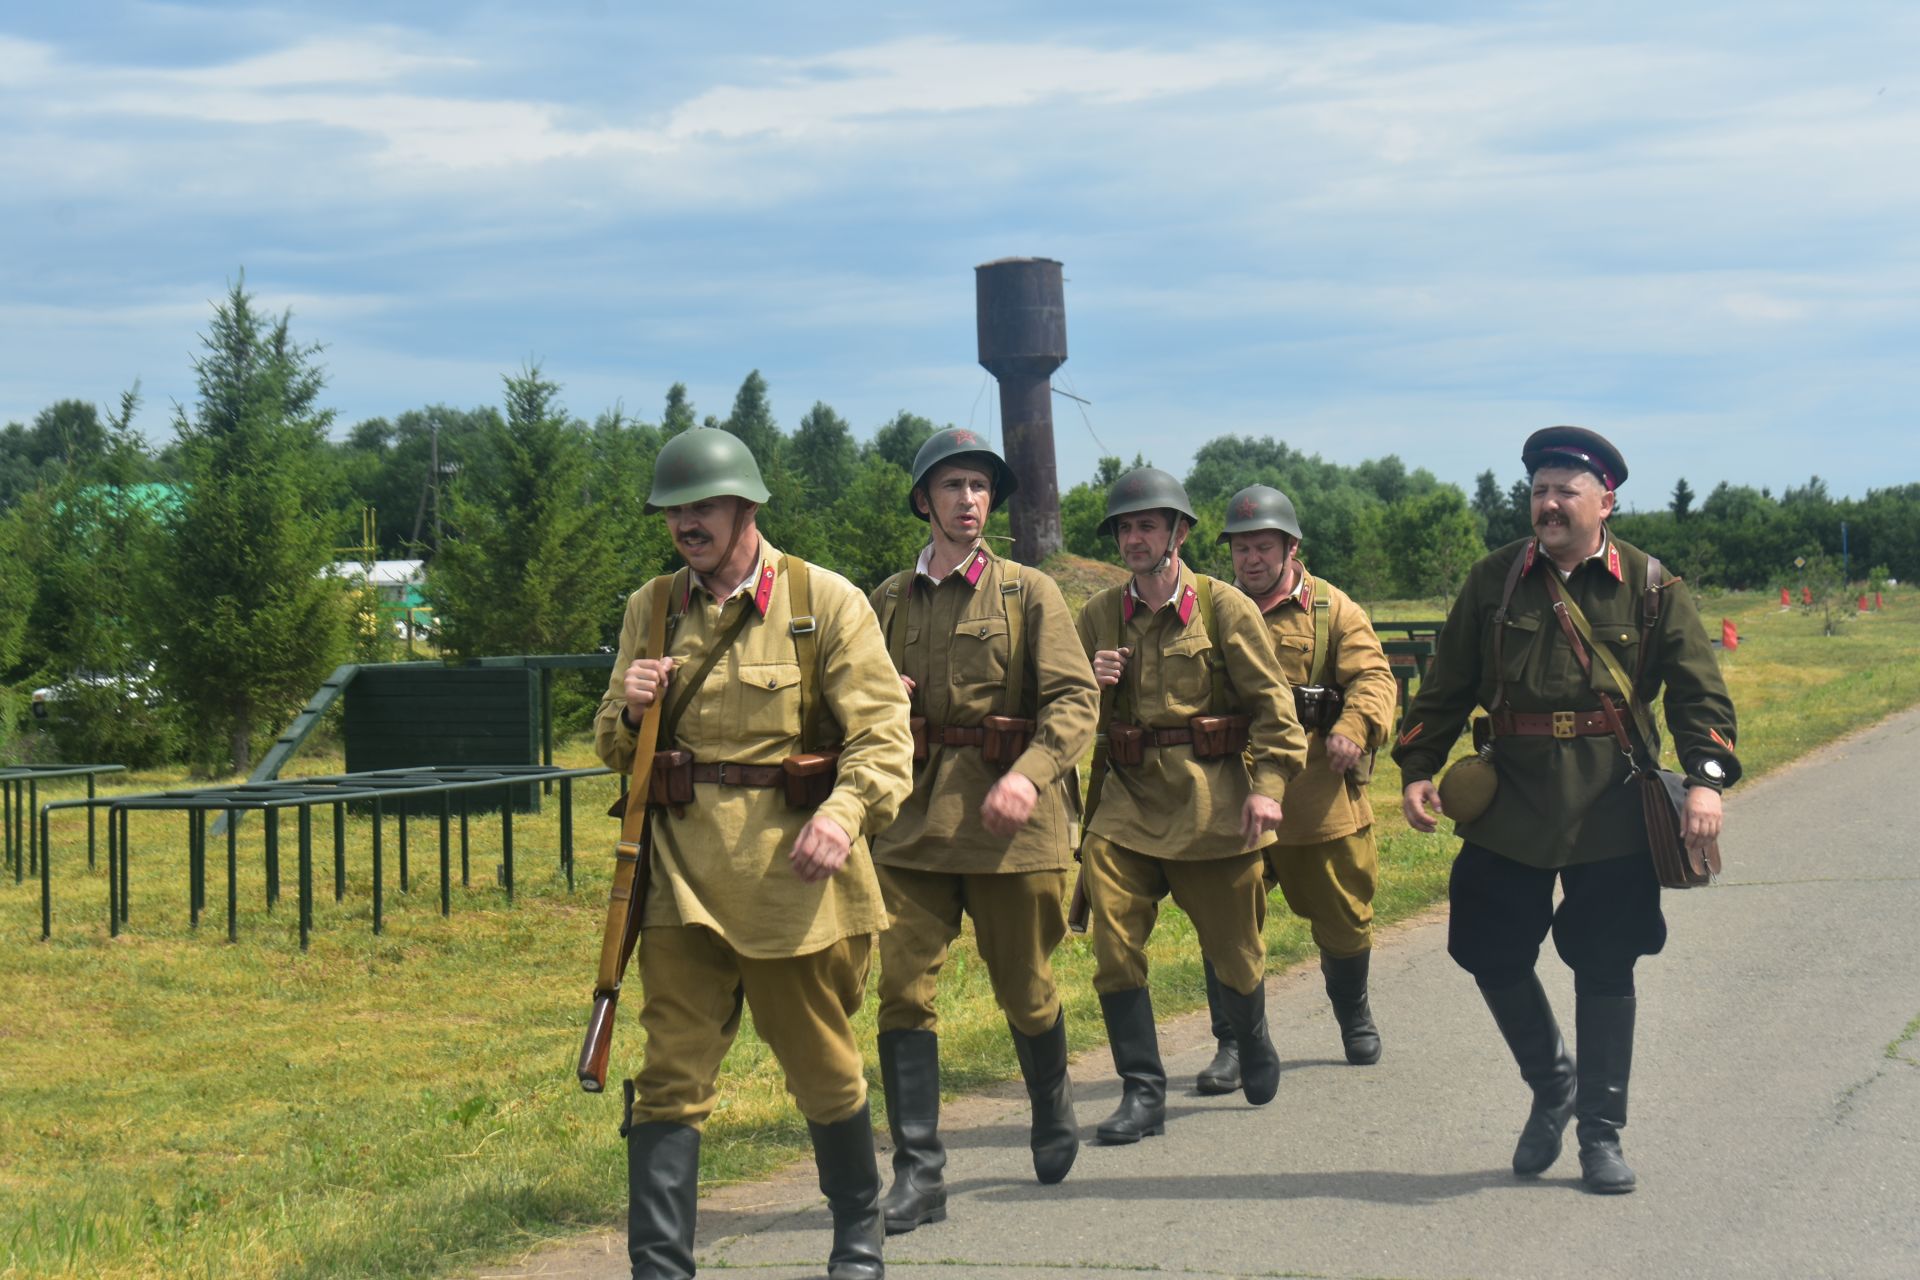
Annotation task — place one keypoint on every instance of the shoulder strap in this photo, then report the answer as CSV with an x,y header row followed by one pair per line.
x,y
1322,626
1657,581
691,686
806,634
1116,701
1500,625
1216,657
1014,603
894,624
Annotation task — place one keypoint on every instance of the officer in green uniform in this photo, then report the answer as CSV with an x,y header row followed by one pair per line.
x,y
752,900
1201,745
1323,857
1560,811
1005,705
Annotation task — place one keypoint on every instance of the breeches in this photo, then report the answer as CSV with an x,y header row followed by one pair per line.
x,y
1226,898
1608,917
1018,919
1330,885
695,985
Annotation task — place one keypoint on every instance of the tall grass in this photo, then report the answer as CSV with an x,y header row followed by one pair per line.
x,y
404,1105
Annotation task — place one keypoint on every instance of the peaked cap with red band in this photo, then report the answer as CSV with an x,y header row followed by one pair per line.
x,y
1575,447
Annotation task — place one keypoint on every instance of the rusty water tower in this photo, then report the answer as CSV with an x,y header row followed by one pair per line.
x,y
1022,314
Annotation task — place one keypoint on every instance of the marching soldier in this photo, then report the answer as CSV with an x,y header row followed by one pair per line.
x,y
1005,706
752,899
1201,744
1543,637
1323,857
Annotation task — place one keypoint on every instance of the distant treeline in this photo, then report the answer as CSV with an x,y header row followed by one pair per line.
x,y
183,586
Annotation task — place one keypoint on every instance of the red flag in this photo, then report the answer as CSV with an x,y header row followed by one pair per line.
x,y
1786,601
1863,602
1806,595
1729,638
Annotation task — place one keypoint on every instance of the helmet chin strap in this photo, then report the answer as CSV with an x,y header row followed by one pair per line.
x,y
739,527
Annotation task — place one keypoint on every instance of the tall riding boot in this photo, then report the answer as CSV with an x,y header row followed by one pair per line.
x,y
1055,1137
1604,1025
1222,1075
910,1073
850,1179
1259,1063
1136,1056
1526,1020
1347,988
663,1189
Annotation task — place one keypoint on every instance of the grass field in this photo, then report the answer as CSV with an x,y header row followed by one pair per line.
x,y
171,1104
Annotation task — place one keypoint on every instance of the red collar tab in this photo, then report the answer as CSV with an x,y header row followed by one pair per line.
x,y
1533,549
763,593
1304,592
1187,599
1413,733
976,568
1613,561
1128,603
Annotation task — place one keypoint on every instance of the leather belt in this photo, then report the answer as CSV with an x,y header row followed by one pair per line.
x,y
740,775
1550,724
955,735
1170,737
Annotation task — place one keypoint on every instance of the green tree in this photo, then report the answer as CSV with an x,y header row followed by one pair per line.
x,y
823,454
530,562
679,414
246,623
1432,539
16,601
900,439
752,420
1681,504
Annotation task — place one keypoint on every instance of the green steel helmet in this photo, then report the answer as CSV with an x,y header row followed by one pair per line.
x,y
702,463
953,445
1146,489
1258,507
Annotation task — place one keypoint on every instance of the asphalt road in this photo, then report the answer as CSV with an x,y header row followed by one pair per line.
x,y
1774,1117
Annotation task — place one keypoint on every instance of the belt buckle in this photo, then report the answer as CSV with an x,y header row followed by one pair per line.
x,y
729,775
1563,724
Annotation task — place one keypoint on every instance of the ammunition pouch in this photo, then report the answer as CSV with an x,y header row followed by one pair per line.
x,y
1318,706
810,777
1126,744
1216,737
1006,737
671,782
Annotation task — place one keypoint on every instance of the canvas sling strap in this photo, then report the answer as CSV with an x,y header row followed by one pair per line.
x,y
1500,627
895,625
1579,633
1322,626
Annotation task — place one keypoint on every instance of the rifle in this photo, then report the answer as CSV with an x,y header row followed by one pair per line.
x,y
1079,909
632,873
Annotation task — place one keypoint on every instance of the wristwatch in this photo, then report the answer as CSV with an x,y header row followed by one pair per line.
x,y
1710,772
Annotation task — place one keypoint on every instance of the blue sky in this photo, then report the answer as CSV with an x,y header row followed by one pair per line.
x,y
1364,229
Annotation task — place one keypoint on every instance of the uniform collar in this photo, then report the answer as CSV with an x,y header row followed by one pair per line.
x,y
1608,555
971,568
758,587
1183,601
1302,593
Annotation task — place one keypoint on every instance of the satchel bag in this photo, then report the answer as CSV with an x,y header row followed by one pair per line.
x,y
1663,795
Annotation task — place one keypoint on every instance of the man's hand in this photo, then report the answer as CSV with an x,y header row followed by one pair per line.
x,y
1342,752
646,677
1009,804
820,849
1110,664
1258,816
906,682
1700,819
1420,802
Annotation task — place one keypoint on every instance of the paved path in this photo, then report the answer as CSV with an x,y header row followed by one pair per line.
x,y
1775,1114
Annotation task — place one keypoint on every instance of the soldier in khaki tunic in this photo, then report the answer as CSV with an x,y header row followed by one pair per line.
x,y
753,901
1005,705
1323,857
1560,811
1201,744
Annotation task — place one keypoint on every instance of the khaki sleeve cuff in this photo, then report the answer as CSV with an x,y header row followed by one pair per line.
x,y
844,809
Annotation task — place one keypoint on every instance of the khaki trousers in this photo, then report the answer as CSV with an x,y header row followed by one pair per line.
x,y
694,986
1018,919
1226,898
1330,885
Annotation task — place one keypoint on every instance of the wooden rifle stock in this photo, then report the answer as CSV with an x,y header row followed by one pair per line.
x,y
632,872
1079,910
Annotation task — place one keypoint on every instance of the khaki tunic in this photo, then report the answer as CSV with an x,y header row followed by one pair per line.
x,y
1560,801
1171,805
1322,805
957,654
723,864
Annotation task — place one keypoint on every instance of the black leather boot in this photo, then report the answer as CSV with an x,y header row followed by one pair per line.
x,y
910,1074
1259,1063
850,1179
1347,988
1055,1137
1526,1020
1604,1026
663,1189
1136,1057
1222,1075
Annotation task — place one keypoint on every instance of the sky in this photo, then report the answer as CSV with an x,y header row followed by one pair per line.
x,y
1364,229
